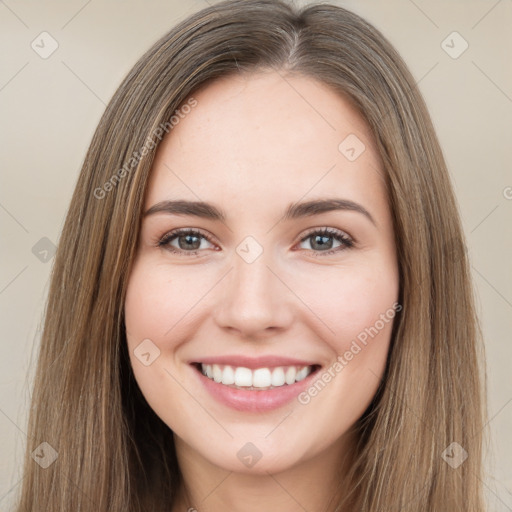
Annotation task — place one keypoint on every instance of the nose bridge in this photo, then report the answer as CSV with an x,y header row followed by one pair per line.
x,y
252,279
253,297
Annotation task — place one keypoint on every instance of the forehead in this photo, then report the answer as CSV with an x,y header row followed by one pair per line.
x,y
267,135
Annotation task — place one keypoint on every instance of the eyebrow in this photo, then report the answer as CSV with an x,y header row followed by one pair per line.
x,y
294,210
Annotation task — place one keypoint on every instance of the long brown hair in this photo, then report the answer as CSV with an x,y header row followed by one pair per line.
x,y
114,453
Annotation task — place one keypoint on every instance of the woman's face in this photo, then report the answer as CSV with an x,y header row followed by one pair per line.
x,y
286,289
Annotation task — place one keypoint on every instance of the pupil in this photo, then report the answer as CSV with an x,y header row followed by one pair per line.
x,y
188,240
323,243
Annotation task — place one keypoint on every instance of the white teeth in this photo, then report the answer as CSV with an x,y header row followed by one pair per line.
x,y
243,377
290,374
302,374
217,373
262,378
278,376
228,375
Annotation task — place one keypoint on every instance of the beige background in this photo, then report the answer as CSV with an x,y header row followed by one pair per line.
x,y
50,108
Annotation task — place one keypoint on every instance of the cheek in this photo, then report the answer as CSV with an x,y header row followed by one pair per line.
x,y
155,302
160,307
358,308
143,305
150,312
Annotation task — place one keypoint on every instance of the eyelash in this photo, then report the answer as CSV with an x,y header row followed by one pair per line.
x,y
340,236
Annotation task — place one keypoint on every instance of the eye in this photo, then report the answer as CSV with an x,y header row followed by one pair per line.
x,y
321,241
189,241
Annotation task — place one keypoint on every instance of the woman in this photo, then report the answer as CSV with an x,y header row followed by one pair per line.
x,y
317,348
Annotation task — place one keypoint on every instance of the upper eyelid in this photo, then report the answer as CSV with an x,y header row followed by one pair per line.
x,y
330,231
180,231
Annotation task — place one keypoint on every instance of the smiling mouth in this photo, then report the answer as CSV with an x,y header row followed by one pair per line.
x,y
260,379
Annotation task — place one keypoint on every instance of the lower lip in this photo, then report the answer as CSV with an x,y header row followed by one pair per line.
x,y
254,400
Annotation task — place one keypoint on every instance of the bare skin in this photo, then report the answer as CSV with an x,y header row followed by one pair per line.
x,y
252,146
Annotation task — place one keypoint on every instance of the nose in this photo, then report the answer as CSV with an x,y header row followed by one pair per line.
x,y
254,300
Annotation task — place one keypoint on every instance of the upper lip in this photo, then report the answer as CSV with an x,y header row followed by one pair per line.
x,y
253,363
